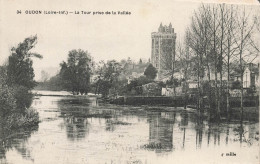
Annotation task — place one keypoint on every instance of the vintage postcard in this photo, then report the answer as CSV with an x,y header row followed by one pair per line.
x,y
129,82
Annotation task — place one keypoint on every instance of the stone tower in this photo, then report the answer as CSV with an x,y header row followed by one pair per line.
x,y
163,49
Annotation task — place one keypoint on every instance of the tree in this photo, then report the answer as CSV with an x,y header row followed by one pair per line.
x,y
184,56
150,72
19,68
244,43
219,35
108,77
136,84
20,72
140,61
230,50
7,99
199,39
76,72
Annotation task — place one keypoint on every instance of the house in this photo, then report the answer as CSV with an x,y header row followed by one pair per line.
x,y
254,74
250,76
170,91
167,91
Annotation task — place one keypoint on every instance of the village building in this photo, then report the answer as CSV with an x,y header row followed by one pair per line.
x,y
250,76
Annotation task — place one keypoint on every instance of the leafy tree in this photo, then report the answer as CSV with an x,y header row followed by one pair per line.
x,y
16,78
76,72
136,84
150,72
108,77
19,68
20,72
7,99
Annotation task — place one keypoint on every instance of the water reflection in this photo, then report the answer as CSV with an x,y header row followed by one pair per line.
x,y
183,125
16,139
84,130
161,130
76,128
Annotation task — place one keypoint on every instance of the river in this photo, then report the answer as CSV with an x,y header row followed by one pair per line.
x,y
76,130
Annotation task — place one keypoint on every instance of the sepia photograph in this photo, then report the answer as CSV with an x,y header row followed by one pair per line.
x,y
129,82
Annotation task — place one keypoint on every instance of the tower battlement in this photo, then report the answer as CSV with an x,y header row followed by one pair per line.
x,y
166,29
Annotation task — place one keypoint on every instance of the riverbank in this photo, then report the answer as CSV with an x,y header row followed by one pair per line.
x,y
155,100
177,101
17,120
15,110
38,93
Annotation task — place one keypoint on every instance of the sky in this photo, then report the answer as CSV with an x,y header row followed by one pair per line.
x,y
105,37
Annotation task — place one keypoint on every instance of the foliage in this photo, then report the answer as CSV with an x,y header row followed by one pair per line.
x,y
112,76
135,85
16,120
16,81
150,72
104,87
152,89
121,88
236,85
174,82
108,77
220,37
19,68
7,99
23,97
76,72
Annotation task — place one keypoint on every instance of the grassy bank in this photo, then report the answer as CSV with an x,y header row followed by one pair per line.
x,y
15,111
17,120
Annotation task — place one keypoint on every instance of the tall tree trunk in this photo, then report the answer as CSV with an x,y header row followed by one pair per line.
x,y
216,64
242,94
216,90
221,57
198,99
228,72
228,75
185,89
209,96
230,26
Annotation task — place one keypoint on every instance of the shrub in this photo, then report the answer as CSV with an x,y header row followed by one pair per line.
x,y
16,120
150,72
23,98
236,85
7,100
